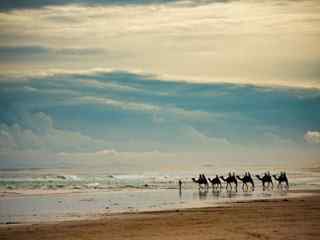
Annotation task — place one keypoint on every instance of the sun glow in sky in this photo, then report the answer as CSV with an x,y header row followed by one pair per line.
x,y
123,81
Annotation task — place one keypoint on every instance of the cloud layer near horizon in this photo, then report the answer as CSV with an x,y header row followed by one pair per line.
x,y
119,107
117,117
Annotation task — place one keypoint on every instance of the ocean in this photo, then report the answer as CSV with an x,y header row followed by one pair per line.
x,y
34,195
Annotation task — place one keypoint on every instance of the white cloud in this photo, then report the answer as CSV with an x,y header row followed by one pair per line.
x,y
38,133
119,104
160,113
108,85
107,152
312,137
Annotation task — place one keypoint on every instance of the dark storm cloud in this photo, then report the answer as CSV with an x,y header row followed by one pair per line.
x,y
7,5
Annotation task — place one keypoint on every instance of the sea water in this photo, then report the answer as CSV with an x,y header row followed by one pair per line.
x,y
33,195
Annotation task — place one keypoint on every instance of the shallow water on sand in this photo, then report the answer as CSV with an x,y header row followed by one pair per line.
x,y
70,206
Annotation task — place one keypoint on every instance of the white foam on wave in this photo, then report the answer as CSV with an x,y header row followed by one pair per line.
x,y
149,180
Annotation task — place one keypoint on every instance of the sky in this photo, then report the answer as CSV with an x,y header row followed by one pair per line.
x,y
159,83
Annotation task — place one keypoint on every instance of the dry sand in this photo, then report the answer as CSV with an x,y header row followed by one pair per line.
x,y
295,218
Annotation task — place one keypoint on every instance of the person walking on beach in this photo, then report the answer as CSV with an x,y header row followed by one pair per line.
x,y
180,187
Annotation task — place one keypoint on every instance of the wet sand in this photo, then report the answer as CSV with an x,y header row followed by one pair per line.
x,y
294,218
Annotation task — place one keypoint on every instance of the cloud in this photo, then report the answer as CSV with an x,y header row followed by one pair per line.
x,y
20,4
312,137
119,104
165,32
277,141
197,137
137,111
106,85
39,133
195,76
22,50
81,51
106,152
24,53
159,112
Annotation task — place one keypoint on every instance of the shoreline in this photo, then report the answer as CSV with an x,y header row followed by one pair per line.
x,y
256,219
51,208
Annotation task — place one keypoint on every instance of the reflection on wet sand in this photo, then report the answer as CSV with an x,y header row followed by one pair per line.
x,y
217,194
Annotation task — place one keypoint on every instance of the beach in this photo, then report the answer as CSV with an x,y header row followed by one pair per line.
x,y
288,218
159,119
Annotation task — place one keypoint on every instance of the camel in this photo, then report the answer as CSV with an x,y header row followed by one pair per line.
x,y
265,179
245,180
230,179
282,178
215,182
202,180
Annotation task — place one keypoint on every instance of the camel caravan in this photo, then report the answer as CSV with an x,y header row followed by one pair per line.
x,y
247,181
